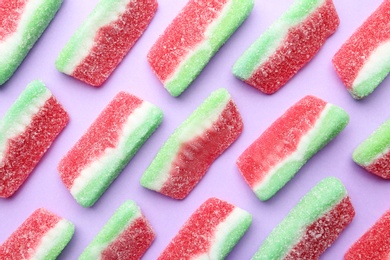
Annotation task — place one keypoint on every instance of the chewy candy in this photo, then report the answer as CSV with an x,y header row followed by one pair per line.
x,y
21,24
291,42
374,244
374,153
104,150
43,235
278,154
105,37
191,149
363,61
127,235
192,39
210,233
312,225
27,130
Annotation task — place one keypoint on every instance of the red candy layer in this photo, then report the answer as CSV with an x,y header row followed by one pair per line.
x,y
25,151
374,244
132,243
280,140
114,41
102,134
185,32
351,57
10,14
323,232
24,241
297,49
197,155
196,235
381,166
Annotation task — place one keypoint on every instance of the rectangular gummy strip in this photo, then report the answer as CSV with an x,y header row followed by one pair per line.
x,y
312,225
126,235
363,61
374,153
278,154
291,42
192,39
23,22
27,130
104,150
210,233
191,149
104,39
43,235
374,244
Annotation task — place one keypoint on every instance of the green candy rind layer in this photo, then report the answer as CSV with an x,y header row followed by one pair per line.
x,y
373,146
168,150
191,67
265,44
368,86
334,121
317,202
36,26
95,188
125,214
66,236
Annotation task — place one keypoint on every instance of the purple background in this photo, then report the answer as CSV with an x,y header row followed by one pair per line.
x,y
369,194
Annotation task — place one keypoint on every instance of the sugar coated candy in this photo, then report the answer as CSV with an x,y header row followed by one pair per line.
x,y
104,150
363,61
374,244
291,42
278,154
22,22
126,236
43,235
105,37
191,149
192,39
27,130
210,233
312,225
374,153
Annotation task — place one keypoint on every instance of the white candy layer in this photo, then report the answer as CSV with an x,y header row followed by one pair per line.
x,y
100,17
113,156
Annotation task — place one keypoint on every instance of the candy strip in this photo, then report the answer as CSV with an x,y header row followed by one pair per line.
x,y
191,149
193,38
27,130
126,235
105,37
22,23
278,154
210,233
104,150
363,61
374,153
43,235
374,244
291,42
312,225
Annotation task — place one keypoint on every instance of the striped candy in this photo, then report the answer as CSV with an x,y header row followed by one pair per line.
x,y
104,39
126,235
312,225
210,233
104,150
278,154
22,23
193,38
291,42
374,153
26,131
43,235
363,61
191,149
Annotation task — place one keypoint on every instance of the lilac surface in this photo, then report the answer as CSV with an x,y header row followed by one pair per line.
x,y
369,194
